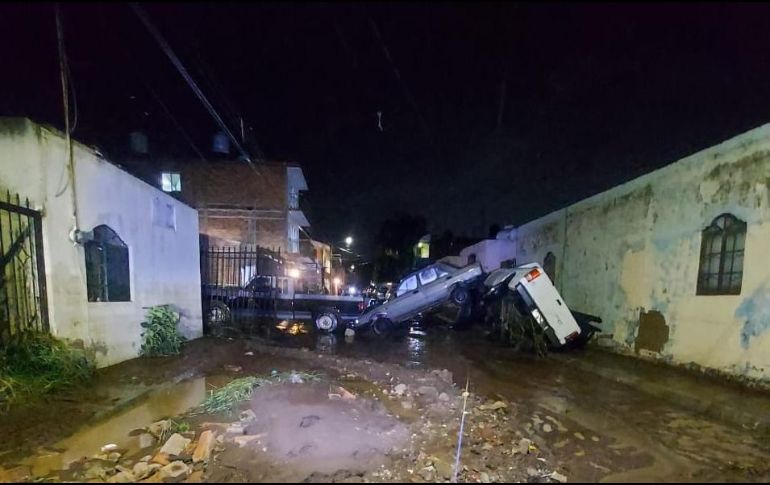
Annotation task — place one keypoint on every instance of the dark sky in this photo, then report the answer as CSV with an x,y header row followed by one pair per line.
x,y
595,94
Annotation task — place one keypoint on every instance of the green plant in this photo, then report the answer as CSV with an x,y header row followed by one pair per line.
x,y
227,397
160,334
35,363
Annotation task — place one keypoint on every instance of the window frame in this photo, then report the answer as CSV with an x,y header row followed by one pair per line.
x,y
731,233
172,188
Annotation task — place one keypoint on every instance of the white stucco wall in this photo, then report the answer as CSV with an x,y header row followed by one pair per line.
x,y
636,248
490,253
164,262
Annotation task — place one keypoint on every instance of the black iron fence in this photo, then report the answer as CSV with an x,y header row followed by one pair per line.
x,y
23,303
240,283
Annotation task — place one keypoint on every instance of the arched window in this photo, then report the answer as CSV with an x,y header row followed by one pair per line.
x,y
107,274
549,265
721,256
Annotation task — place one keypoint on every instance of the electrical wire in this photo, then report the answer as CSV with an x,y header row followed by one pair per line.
x,y
190,81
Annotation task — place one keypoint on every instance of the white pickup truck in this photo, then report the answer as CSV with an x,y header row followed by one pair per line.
x,y
534,294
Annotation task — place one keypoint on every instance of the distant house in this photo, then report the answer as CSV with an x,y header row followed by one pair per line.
x,y
238,204
243,206
84,260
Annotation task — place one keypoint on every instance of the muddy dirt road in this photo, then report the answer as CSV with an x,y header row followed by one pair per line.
x,y
529,419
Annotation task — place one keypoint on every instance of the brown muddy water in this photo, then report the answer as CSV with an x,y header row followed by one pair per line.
x,y
597,428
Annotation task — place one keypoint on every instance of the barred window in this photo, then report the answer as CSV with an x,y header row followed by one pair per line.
x,y
721,256
107,276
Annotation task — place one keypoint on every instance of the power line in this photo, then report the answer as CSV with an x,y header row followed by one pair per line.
x,y
190,81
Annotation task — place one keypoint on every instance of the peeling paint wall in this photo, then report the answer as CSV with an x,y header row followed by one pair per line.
x,y
163,262
635,249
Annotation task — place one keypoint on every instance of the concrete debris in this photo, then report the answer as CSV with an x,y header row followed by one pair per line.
x,y
110,447
428,391
443,468
547,428
244,440
400,389
484,477
122,477
233,368
350,333
114,456
523,447
346,395
203,449
175,445
146,458
533,472
161,458
497,405
428,473
146,440
174,470
96,471
557,477
444,397
141,470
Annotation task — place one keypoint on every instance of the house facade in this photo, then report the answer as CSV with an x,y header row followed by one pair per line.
x,y
675,262
110,245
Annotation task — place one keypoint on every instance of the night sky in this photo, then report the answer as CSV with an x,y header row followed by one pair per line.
x,y
594,95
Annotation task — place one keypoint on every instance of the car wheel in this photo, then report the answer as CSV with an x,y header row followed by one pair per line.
x,y
327,321
382,327
460,295
218,314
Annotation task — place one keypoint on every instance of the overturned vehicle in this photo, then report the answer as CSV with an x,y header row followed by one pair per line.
x,y
525,309
427,290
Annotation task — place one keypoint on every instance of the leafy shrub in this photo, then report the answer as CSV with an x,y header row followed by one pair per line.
x,y
160,334
35,363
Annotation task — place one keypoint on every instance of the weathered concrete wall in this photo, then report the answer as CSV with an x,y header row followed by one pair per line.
x,y
631,255
163,261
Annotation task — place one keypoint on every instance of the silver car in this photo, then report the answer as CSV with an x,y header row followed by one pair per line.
x,y
422,291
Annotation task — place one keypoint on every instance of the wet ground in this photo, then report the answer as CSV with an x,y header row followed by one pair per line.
x,y
590,426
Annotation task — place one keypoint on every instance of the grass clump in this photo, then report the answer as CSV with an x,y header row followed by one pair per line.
x,y
161,337
228,397
32,364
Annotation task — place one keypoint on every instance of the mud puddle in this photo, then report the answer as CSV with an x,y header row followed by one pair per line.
x,y
116,430
298,430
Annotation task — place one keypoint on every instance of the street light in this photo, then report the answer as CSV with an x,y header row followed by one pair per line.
x,y
348,241
352,267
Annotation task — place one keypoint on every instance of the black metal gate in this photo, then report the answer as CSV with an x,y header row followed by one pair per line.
x,y
23,303
239,284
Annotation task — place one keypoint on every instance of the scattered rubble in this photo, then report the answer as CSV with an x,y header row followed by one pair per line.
x,y
175,445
